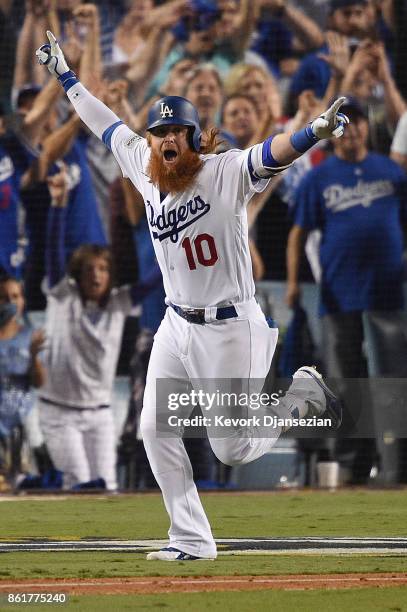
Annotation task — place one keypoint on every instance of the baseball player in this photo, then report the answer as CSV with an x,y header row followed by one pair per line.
x,y
84,324
213,327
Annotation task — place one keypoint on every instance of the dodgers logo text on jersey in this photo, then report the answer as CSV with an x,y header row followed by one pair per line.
x,y
174,221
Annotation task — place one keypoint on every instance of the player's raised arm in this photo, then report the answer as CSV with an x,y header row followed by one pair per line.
x,y
96,115
285,148
278,152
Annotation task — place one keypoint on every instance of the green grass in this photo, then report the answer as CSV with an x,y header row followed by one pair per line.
x,y
104,564
349,600
343,513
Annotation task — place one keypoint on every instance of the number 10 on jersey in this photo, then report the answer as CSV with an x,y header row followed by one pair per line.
x,y
201,249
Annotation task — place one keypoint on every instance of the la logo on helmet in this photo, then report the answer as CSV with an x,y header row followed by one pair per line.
x,y
165,110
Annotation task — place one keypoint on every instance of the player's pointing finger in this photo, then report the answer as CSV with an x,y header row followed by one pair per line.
x,y
336,105
52,40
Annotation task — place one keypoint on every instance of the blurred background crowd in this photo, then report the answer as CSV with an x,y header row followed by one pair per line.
x,y
252,68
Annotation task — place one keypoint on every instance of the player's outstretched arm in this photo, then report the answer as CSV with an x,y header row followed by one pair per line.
x,y
96,115
285,148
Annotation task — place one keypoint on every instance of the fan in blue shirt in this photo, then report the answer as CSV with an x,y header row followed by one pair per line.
x,y
9,202
357,199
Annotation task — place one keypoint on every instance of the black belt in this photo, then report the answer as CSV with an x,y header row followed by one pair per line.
x,y
60,405
197,315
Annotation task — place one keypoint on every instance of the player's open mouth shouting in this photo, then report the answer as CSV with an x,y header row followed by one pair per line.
x,y
170,154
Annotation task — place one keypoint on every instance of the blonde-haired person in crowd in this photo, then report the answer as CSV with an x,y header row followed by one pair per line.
x,y
240,116
256,82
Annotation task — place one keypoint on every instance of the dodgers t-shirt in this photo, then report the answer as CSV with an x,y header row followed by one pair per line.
x,y
154,306
357,206
9,202
84,224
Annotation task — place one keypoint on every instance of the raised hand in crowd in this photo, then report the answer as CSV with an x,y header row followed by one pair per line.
x,y
338,58
338,55
115,95
362,59
58,185
37,8
168,14
236,24
369,66
308,34
86,16
309,106
57,145
37,342
37,370
179,74
378,52
84,36
137,24
36,18
395,104
39,118
156,46
73,47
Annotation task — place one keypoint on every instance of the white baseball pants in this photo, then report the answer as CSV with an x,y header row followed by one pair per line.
x,y
81,443
232,349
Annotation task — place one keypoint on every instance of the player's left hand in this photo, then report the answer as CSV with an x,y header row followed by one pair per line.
x,y
331,122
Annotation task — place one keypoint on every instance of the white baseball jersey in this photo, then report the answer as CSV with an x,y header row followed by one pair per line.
x,y
84,343
200,236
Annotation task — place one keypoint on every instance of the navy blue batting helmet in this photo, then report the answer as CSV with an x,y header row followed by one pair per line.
x,y
175,110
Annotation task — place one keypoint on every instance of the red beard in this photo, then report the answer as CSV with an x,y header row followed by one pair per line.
x,y
176,179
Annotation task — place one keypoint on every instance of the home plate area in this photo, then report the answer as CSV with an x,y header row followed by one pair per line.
x,y
230,546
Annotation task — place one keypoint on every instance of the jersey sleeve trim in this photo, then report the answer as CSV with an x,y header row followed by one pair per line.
x,y
108,133
68,80
263,164
267,156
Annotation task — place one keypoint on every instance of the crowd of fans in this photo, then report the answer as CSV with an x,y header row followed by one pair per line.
x,y
252,68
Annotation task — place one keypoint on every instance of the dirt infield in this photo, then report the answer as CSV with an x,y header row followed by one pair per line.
x,y
199,584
